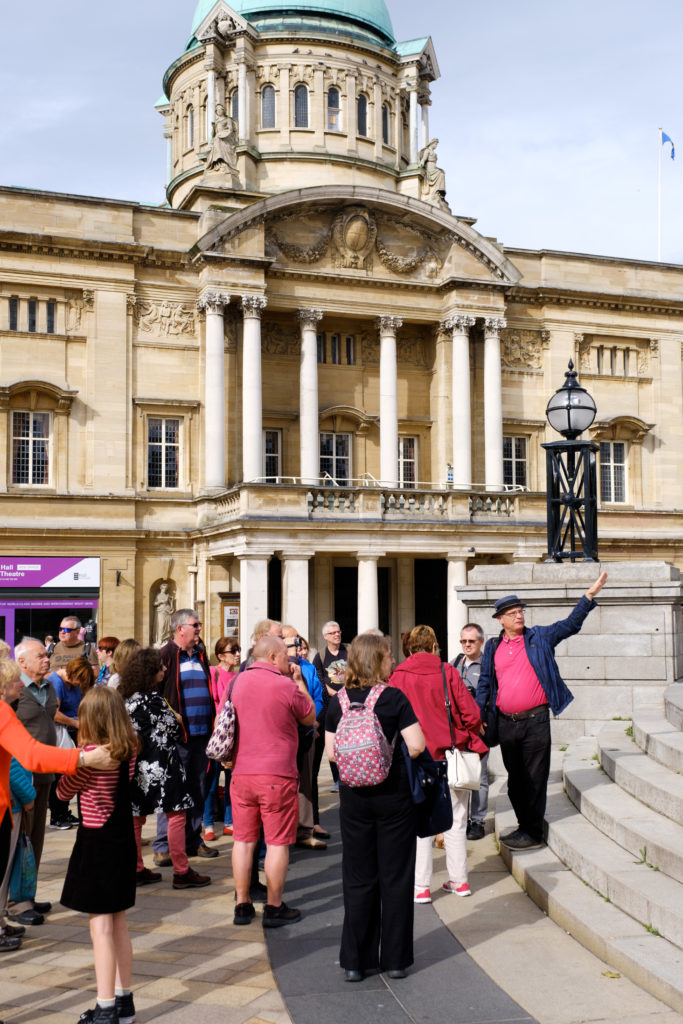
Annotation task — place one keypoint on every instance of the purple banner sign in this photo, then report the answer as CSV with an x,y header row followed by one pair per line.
x,y
75,573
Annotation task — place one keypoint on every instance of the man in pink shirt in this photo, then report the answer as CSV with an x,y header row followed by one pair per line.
x,y
270,700
521,682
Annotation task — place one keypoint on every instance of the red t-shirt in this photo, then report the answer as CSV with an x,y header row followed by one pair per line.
x,y
268,706
518,685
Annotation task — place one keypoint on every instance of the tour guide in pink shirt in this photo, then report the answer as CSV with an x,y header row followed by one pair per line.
x,y
520,679
270,700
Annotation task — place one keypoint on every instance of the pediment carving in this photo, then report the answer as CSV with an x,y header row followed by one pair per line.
x,y
162,319
522,349
221,25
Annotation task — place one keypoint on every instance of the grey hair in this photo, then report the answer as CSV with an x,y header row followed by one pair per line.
x,y
180,617
474,625
20,649
328,624
73,618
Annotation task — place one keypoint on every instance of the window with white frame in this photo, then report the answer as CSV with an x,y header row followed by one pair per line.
x,y
51,310
322,348
272,454
613,471
333,110
268,106
335,349
301,106
31,438
32,315
335,457
362,115
163,452
515,470
350,346
14,314
407,462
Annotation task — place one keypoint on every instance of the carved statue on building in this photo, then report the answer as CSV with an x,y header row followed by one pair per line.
x,y
223,155
164,606
433,188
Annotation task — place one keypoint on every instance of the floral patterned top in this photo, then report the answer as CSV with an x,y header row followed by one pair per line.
x,y
159,782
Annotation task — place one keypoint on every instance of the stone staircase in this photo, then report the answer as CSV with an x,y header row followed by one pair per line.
x,y
612,873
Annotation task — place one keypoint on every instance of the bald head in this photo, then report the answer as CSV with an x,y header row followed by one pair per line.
x,y
272,650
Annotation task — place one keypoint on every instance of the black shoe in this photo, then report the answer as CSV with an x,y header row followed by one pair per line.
x,y
73,819
63,824
125,1007
42,908
26,917
190,880
398,972
521,841
244,913
203,851
8,943
146,877
13,932
475,830
100,1015
350,975
275,917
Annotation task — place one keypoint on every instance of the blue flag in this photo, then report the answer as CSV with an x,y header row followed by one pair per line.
x,y
667,138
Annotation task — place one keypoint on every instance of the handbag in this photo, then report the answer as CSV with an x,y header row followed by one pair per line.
x,y
63,739
430,793
219,747
464,766
24,878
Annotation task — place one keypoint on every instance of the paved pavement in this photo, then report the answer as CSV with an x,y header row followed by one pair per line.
x,y
488,959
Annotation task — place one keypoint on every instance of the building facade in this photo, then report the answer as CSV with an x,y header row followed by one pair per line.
x,y
304,387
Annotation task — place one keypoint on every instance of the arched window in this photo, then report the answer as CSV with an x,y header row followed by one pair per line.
x,y
235,106
204,122
267,106
362,115
189,119
301,107
333,118
386,114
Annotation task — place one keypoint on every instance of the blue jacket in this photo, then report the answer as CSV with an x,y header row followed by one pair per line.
x,y
540,643
313,683
21,786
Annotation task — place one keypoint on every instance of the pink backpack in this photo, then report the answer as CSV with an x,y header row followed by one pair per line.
x,y
362,751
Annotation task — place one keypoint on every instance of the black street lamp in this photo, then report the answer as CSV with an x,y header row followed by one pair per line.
x,y
572,504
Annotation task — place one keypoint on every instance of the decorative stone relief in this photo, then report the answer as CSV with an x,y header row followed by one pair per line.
x,y
354,232
336,77
302,73
299,253
88,300
267,73
253,306
310,317
164,319
163,603
222,159
460,323
521,349
279,339
494,325
411,348
369,346
433,187
74,310
389,324
213,302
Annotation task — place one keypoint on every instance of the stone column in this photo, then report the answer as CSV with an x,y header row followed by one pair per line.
x,y
493,404
295,591
210,104
368,600
243,128
456,610
351,125
213,304
388,400
412,124
424,112
284,115
253,594
460,397
252,402
377,104
168,135
309,467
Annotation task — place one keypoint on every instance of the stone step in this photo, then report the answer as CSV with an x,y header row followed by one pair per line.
x,y
658,738
650,897
649,960
673,705
643,832
633,771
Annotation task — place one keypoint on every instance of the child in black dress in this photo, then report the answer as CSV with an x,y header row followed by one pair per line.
x,y
100,879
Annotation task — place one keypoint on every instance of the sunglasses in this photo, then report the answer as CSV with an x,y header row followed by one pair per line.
x,y
69,629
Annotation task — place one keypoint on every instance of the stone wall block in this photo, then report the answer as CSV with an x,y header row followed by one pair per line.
x,y
629,645
490,576
640,618
579,669
600,703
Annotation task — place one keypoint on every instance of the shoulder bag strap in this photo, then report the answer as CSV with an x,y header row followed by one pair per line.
x,y
448,705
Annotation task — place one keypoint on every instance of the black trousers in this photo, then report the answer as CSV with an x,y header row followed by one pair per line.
x,y
378,870
5,833
525,747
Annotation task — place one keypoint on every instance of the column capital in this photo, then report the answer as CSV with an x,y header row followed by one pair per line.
x,y
310,317
389,324
459,322
253,305
494,324
212,302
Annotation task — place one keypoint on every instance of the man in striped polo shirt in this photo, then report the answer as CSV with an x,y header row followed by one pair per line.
x,y
187,690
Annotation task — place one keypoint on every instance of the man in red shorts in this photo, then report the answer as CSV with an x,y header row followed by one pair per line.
x,y
270,700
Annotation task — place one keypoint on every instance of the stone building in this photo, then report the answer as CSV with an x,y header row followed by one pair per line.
x,y
304,386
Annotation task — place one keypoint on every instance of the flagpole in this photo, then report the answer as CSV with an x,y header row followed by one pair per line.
x,y
659,199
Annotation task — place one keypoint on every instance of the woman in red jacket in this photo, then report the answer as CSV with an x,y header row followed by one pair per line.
x,y
421,678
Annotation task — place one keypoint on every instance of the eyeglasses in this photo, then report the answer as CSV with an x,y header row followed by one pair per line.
x,y
466,642
513,612
193,625
333,632
69,629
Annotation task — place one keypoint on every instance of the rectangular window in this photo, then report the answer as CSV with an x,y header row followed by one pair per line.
x,y
31,448
320,338
272,454
335,349
515,462
407,462
335,458
51,317
32,315
163,452
613,471
14,314
350,350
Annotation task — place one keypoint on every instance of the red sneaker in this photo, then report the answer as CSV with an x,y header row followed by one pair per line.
x,y
458,890
209,835
227,830
422,896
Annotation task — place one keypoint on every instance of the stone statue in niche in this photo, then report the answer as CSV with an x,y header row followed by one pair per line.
x,y
164,606
433,189
223,155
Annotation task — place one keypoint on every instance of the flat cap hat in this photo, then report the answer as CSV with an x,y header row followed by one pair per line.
x,y
503,604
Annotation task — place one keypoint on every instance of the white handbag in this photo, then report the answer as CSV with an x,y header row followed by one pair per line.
x,y
464,766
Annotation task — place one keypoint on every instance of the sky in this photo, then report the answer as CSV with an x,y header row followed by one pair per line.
x,y
547,112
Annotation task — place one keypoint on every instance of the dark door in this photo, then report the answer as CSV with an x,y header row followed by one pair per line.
x,y
431,595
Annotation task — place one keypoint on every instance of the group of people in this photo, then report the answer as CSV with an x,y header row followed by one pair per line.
x,y
135,732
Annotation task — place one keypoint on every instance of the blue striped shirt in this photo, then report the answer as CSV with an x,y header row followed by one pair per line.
x,y
196,698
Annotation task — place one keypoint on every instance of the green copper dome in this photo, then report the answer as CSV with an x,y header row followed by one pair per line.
x,y
324,15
